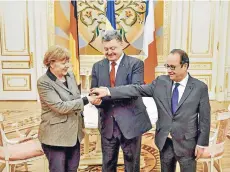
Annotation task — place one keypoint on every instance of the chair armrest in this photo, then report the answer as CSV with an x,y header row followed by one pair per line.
x,y
21,135
17,140
20,140
214,135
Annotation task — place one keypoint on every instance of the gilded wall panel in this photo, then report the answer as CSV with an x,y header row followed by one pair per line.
x,y
14,28
16,82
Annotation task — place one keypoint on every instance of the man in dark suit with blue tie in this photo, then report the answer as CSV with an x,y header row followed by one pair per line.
x,y
122,121
183,125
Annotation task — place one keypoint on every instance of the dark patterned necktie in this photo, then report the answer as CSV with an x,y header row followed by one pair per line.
x,y
175,97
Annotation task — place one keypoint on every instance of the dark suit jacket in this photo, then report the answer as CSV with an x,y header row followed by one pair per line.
x,y
130,114
189,126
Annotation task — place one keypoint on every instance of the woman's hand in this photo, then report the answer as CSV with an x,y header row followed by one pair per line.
x,y
94,100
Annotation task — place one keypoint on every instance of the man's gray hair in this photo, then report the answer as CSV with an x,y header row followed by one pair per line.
x,y
110,35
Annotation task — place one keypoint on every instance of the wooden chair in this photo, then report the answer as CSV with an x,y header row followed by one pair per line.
x,y
214,152
18,150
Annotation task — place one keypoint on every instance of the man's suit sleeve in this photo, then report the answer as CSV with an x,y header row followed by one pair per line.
x,y
204,118
138,73
94,84
129,91
94,81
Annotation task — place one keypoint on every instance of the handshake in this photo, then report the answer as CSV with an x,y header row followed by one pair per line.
x,y
96,94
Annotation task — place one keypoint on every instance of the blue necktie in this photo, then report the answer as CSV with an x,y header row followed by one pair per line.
x,y
175,97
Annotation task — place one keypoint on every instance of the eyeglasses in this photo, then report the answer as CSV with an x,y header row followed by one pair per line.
x,y
171,67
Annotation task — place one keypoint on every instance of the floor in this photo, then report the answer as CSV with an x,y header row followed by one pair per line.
x,y
27,115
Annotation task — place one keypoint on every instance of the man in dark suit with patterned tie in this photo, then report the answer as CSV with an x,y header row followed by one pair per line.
x,y
183,125
122,121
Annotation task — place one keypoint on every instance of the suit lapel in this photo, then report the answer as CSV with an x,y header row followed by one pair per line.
x,y
105,73
121,72
187,91
58,82
168,88
70,84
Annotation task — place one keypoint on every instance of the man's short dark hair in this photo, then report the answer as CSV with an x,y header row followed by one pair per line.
x,y
183,56
110,35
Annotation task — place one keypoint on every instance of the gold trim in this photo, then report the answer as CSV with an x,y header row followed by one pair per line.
x,y
160,73
15,62
4,79
209,52
166,27
51,23
201,64
217,46
31,62
23,52
220,89
160,58
226,80
205,76
188,29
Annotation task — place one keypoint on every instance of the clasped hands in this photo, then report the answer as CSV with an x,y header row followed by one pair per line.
x,y
96,94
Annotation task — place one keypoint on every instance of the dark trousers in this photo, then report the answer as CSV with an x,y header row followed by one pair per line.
x,y
169,158
131,151
62,159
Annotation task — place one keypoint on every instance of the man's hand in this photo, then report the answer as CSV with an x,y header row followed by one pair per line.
x,y
199,151
100,92
94,100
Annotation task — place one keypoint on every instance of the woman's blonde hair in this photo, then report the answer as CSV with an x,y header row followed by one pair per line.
x,y
55,53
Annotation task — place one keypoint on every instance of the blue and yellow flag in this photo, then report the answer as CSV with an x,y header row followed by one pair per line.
x,y
110,13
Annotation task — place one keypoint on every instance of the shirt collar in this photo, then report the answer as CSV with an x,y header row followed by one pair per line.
x,y
184,81
119,60
52,76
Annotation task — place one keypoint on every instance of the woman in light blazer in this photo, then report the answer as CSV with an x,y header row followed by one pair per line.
x,y
60,131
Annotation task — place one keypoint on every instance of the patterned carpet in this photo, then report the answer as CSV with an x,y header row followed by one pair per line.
x,y
27,115
148,152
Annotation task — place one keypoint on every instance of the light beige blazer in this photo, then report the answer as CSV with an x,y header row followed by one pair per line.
x,y
61,119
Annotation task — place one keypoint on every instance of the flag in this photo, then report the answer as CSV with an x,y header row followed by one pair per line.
x,y
149,43
73,41
61,15
110,13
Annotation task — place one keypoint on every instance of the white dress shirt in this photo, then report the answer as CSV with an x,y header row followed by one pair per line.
x,y
117,64
181,87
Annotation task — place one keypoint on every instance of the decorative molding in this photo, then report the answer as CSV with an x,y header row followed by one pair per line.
x,y
200,66
166,28
226,80
50,23
16,82
192,66
87,62
15,65
159,74
160,58
206,78
209,52
25,51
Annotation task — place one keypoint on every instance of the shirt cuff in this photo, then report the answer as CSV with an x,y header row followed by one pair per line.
x,y
108,92
85,100
201,146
